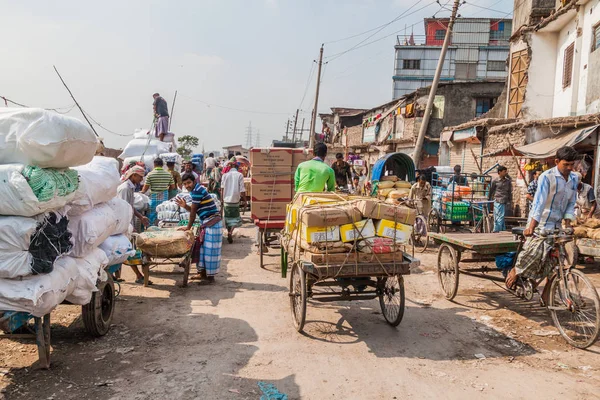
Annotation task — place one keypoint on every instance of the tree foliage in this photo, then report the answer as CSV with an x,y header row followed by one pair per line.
x,y
187,143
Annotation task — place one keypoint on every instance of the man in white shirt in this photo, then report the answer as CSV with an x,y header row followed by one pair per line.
x,y
210,163
233,191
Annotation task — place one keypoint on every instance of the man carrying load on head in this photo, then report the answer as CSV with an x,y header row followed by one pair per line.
x,y
314,175
158,182
125,191
207,248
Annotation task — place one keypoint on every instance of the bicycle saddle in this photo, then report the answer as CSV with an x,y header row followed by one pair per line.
x,y
519,230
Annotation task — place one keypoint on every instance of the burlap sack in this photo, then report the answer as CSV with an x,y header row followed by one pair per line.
x,y
165,242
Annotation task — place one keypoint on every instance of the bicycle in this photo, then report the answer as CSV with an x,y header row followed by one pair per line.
x,y
486,222
569,295
418,236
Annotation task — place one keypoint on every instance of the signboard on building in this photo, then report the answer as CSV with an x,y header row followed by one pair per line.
x,y
369,134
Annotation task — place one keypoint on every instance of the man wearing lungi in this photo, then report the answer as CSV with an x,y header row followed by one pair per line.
x,y
161,113
158,182
207,248
233,191
553,203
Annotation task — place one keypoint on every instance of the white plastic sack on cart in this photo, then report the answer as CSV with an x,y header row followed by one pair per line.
x,y
40,294
140,133
137,147
90,271
93,227
43,138
118,249
17,198
147,159
141,202
98,183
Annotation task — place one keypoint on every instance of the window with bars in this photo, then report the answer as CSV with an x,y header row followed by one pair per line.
x,y
496,66
411,64
568,65
483,105
440,34
596,38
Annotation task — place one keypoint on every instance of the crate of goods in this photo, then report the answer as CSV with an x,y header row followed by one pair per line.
x,y
456,211
271,182
393,230
356,231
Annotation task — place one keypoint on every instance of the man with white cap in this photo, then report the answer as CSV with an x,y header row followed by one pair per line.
x,y
125,191
586,206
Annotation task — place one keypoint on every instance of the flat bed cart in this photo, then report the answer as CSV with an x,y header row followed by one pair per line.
x,y
332,277
482,247
268,232
96,316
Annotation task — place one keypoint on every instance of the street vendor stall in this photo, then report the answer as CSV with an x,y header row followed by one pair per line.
x,y
346,248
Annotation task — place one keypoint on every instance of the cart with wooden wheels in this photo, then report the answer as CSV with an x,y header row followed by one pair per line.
x,y
96,316
480,248
346,277
268,232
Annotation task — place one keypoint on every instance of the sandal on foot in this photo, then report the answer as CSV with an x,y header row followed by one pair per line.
x,y
141,282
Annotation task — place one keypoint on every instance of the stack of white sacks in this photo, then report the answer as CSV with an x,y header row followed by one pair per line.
x,y
98,222
146,147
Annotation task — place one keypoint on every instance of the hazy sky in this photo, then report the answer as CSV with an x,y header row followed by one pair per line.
x,y
252,55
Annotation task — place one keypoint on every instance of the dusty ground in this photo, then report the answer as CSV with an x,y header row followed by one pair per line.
x,y
219,342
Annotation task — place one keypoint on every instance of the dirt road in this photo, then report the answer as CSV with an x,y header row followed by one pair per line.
x,y
222,341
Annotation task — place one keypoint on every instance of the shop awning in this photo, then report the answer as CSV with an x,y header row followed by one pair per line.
x,y
547,147
464,135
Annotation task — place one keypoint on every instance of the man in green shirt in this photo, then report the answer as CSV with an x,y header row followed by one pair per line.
x,y
315,175
158,182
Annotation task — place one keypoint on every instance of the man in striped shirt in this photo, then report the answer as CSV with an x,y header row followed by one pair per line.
x,y
158,182
210,241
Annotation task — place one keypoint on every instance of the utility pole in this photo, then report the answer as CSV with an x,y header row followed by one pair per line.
x,y
313,120
302,129
295,123
287,129
249,135
434,86
172,110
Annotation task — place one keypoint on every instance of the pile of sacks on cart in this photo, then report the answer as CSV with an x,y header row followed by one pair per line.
x,y
321,223
60,220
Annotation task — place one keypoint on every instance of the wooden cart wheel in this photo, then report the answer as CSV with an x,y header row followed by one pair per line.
x,y
298,296
97,314
186,265
42,338
392,299
447,270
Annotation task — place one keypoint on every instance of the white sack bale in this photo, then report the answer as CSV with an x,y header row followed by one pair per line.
x,y
73,279
90,271
17,198
43,138
93,227
147,159
118,249
137,147
141,202
140,133
98,183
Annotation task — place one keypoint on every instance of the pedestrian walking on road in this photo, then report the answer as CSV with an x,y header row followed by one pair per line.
x,y
501,193
233,193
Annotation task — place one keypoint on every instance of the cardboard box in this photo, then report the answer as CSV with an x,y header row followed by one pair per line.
x,y
271,156
359,230
400,232
268,210
301,155
272,175
351,258
302,200
318,234
333,214
263,192
375,209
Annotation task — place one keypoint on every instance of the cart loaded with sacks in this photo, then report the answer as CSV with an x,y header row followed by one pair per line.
x,y
346,248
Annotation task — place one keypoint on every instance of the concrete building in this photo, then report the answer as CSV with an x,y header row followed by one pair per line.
x,y
478,52
234,149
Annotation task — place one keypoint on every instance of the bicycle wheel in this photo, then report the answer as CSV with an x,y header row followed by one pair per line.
x,y
447,270
298,296
419,235
392,299
575,309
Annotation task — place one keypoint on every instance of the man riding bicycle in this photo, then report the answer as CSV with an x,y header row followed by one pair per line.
x,y
554,202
